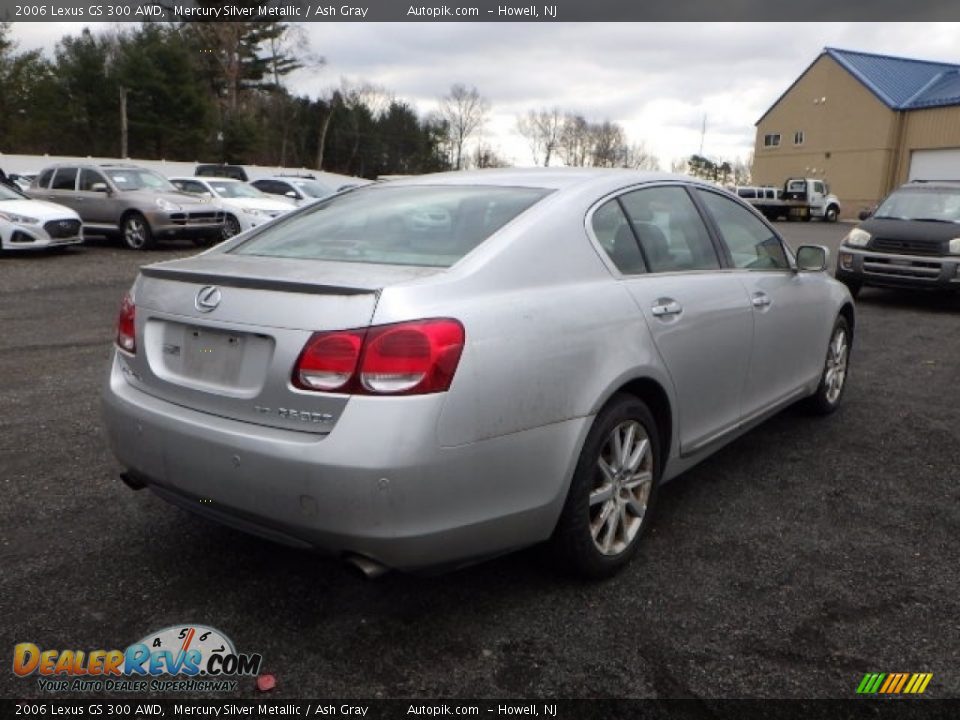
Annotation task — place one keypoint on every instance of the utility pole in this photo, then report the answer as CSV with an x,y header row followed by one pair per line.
x,y
123,122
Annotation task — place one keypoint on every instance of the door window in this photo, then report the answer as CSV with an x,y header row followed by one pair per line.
x,y
65,179
89,178
752,245
670,231
44,179
818,187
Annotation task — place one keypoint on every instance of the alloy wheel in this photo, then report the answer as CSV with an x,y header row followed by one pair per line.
x,y
135,233
624,479
836,371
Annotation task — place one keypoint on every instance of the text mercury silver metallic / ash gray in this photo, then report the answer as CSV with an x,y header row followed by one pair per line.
x,y
435,370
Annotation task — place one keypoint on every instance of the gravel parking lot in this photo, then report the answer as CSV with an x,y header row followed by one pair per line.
x,y
807,553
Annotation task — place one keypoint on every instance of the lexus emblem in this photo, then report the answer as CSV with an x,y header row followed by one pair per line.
x,y
207,299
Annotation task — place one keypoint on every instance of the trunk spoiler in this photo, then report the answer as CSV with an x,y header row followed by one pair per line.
x,y
255,283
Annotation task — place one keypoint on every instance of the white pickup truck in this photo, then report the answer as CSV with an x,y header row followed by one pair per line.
x,y
800,199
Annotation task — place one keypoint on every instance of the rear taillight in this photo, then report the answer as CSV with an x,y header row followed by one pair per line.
x,y
329,361
126,325
410,358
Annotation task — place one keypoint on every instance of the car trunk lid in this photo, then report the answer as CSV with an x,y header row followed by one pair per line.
x,y
221,334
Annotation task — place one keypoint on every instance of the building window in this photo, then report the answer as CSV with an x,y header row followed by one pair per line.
x,y
798,137
771,140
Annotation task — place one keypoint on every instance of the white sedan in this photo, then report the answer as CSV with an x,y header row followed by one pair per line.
x,y
246,206
26,223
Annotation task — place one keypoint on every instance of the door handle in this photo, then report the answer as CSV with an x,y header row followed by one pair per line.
x,y
665,307
761,299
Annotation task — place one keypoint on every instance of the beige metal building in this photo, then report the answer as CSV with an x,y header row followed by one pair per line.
x,y
865,123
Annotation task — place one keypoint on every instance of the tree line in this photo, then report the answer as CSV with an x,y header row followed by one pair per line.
x,y
205,91
216,91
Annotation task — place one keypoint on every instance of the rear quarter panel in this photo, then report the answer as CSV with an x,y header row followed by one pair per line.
x,y
550,334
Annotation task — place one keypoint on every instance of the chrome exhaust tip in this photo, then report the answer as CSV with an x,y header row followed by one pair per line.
x,y
371,569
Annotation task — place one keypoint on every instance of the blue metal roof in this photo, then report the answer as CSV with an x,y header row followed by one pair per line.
x,y
902,83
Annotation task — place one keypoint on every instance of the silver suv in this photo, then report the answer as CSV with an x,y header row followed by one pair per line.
x,y
139,204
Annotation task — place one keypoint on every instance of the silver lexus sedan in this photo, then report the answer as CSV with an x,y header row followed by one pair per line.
x,y
428,372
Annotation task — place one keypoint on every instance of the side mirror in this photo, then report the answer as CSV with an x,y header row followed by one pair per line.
x,y
291,194
864,214
99,187
812,258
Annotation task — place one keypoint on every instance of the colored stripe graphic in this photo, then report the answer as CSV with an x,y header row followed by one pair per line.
x,y
894,683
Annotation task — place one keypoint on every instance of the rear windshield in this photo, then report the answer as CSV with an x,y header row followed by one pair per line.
x,y
936,205
422,225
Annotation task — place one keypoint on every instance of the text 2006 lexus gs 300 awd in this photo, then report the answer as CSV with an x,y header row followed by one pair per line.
x,y
426,372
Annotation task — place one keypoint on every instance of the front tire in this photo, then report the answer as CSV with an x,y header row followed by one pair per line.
x,y
612,491
833,381
831,214
136,232
231,227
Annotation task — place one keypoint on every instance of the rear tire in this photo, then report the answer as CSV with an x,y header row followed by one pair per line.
x,y
136,233
833,381
612,492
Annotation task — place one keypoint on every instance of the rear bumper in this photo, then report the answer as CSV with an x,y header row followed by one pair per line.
x,y
869,267
379,485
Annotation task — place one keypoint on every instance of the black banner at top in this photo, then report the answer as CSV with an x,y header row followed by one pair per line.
x,y
477,10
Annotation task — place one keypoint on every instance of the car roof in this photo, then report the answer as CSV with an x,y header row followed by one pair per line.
x,y
598,179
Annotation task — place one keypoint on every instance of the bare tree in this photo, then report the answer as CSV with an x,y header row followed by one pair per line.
x,y
679,166
574,143
485,156
637,157
542,129
607,144
464,112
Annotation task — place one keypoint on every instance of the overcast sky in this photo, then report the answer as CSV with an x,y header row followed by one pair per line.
x,y
658,80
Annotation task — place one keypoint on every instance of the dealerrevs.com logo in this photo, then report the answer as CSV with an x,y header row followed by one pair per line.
x,y
178,658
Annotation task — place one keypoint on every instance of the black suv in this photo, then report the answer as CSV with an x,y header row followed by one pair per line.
x,y
912,240
236,172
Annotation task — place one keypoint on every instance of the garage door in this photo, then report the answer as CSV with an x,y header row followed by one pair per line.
x,y
935,164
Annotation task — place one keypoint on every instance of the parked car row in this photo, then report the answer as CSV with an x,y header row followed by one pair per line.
x,y
142,207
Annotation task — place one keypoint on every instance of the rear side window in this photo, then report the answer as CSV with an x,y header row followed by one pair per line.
x,y
414,225
65,179
613,232
672,235
747,192
752,245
